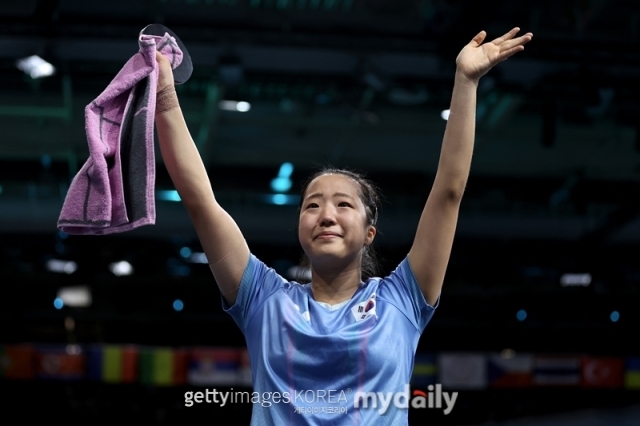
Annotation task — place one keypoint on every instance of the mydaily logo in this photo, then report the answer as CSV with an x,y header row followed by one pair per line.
x,y
381,401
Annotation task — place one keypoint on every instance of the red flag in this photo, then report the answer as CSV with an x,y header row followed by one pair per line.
x,y
180,365
60,362
602,372
18,362
129,364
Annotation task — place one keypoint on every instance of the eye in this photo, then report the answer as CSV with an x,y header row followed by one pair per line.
x,y
311,206
344,204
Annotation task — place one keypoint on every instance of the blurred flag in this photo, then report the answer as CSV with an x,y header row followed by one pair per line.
x,y
113,363
94,362
602,372
119,364
462,370
61,362
214,366
515,371
632,373
163,366
556,370
17,361
424,370
244,372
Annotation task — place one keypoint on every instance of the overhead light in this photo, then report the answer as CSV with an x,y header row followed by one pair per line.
x,y
569,280
121,268
283,183
58,303
521,315
61,266
35,67
239,106
198,257
281,199
170,195
615,316
78,297
445,114
185,252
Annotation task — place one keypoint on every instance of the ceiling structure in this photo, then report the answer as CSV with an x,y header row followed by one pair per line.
x,y
352,83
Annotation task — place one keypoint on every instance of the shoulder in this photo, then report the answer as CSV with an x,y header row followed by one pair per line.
x,y
258,282
257,270
400,288
402,274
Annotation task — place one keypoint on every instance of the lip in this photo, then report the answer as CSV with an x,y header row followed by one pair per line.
x,y
327,235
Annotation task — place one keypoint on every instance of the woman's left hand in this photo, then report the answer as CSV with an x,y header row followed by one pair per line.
x,y
476,59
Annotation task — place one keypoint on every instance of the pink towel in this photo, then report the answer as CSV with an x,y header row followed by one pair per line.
x,y
114,190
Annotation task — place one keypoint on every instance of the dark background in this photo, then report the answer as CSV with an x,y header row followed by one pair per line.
x,y
553,189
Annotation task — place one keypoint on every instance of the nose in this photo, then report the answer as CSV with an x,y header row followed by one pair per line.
x,y
327,216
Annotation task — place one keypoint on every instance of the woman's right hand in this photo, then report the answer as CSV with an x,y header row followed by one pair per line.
x,y
165,73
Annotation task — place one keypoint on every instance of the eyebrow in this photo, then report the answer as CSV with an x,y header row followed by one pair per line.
x,y
336,194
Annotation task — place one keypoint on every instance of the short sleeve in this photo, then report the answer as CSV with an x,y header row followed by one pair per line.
x,y
258,283
401,289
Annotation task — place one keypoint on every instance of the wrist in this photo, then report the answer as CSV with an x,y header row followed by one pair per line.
x,y
166,99
462,79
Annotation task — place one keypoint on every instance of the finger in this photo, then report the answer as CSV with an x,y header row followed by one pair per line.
x,y
509,52
478,39
522,40
507,36
160,57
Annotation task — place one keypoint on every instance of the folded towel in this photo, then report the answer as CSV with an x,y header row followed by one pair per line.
x,y
114,190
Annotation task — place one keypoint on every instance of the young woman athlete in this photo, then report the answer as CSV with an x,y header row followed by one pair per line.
x,y
316,347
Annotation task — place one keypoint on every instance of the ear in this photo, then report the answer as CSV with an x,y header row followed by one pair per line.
x,y
371,234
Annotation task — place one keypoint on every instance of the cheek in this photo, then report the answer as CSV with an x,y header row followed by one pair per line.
x,y
303,224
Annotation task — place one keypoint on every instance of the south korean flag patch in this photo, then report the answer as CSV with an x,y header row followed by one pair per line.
x,y
364,310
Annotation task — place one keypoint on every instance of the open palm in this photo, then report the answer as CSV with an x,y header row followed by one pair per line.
x,y
476,59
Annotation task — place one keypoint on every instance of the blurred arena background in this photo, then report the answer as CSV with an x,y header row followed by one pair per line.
x,y
538,322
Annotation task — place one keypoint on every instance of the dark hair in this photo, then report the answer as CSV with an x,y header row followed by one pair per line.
x,y
369,195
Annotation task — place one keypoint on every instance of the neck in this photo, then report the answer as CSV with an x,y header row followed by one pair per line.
x,y
335,287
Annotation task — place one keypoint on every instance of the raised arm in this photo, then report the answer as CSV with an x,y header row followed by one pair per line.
x,y
221,239
431,249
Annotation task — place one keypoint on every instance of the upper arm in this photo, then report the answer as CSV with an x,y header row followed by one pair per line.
x,y
431,249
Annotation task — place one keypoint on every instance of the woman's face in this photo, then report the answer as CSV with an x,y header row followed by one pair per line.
x,y
333,221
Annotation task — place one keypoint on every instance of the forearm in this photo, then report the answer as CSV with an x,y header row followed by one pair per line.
x,y
182,159
459,135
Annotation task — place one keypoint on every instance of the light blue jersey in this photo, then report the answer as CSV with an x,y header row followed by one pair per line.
x,y
308,362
